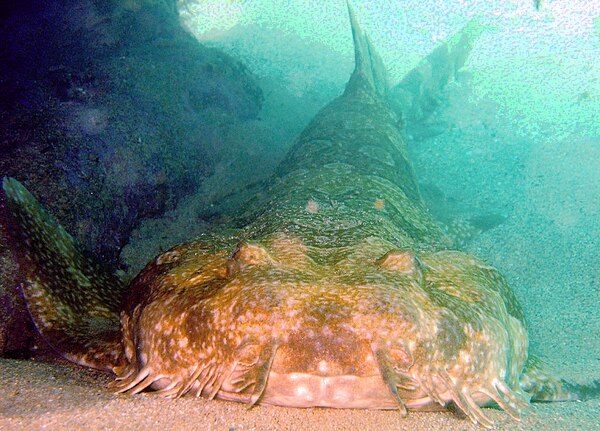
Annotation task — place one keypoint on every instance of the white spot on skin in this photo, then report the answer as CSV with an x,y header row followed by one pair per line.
x,y
302,391
292,313
323,367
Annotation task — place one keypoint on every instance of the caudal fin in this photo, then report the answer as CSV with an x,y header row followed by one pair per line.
x,y
417,95
73,302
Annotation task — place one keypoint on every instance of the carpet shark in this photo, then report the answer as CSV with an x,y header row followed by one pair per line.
x,y
333,287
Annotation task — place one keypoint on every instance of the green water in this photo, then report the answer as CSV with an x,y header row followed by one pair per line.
x,y
521,129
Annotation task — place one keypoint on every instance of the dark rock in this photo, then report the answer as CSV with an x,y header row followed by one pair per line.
x,y
109,114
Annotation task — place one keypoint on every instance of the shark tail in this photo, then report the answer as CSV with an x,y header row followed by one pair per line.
x,y
417,95
543,386
73,302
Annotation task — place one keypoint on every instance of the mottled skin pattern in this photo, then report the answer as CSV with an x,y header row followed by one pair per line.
x,y
335,292
333,288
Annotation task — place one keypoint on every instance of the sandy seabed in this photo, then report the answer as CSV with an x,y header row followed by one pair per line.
x,y
55,396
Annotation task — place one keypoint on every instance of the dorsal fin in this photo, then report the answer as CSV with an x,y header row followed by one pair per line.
x,y
369,67
73,301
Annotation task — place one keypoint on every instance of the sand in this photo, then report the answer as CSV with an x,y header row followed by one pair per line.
x,y
59,396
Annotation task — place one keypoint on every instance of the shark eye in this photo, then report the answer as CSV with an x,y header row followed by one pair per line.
x,y
247,255
402,261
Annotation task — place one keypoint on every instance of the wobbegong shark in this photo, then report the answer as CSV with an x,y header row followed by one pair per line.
x,y
335,287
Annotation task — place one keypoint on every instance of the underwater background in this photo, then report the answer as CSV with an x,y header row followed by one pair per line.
x,y
518,133
140,124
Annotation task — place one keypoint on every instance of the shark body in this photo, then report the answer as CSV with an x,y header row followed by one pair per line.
x,y
333,288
